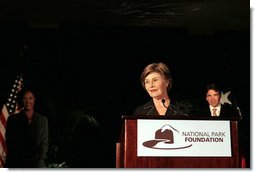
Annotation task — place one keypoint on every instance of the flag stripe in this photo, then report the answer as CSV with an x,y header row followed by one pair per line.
x,y
4,115
3,119
1,162
7,109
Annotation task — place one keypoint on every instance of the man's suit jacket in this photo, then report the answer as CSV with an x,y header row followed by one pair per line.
x,y
227,111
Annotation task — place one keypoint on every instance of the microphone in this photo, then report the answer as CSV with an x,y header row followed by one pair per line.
x,y
163,101
176,110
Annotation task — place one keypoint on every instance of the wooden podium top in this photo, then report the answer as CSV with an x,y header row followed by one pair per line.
x,y
176,117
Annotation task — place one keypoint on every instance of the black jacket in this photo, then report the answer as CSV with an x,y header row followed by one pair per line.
x,y
226,111
150,109
27,144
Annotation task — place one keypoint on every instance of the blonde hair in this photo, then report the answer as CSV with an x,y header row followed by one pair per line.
x,y
160,68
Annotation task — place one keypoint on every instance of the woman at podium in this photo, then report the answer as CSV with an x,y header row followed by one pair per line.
x,y
156,79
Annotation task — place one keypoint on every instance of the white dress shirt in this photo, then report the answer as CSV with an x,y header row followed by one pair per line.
x,y
217,111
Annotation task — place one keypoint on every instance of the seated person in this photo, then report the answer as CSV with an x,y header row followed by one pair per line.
x,y
215,108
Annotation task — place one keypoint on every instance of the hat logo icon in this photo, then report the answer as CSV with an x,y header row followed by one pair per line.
x,y
165,136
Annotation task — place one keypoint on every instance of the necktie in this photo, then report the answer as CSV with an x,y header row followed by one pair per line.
x,y
214,112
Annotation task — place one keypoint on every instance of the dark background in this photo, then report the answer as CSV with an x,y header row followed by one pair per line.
x,y
86,66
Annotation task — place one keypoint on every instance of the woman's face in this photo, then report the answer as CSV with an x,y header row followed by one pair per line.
x,y
28,100
156,85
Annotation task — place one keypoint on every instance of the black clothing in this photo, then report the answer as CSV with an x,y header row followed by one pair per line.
x,y
150,109
226,111
27,143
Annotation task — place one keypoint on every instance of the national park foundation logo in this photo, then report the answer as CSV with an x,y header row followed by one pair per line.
x,y
165,139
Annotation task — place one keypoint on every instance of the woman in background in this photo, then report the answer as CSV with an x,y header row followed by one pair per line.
x,y
26,136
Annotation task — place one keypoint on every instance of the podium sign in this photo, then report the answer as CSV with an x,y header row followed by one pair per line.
x,y
193,138
177,142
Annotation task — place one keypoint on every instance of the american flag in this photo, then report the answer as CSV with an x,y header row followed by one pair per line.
x,y
8,108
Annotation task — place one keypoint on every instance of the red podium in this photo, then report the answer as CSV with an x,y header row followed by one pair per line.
x,y
127,157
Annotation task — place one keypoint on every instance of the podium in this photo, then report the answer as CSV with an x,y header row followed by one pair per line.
x,y
127,154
